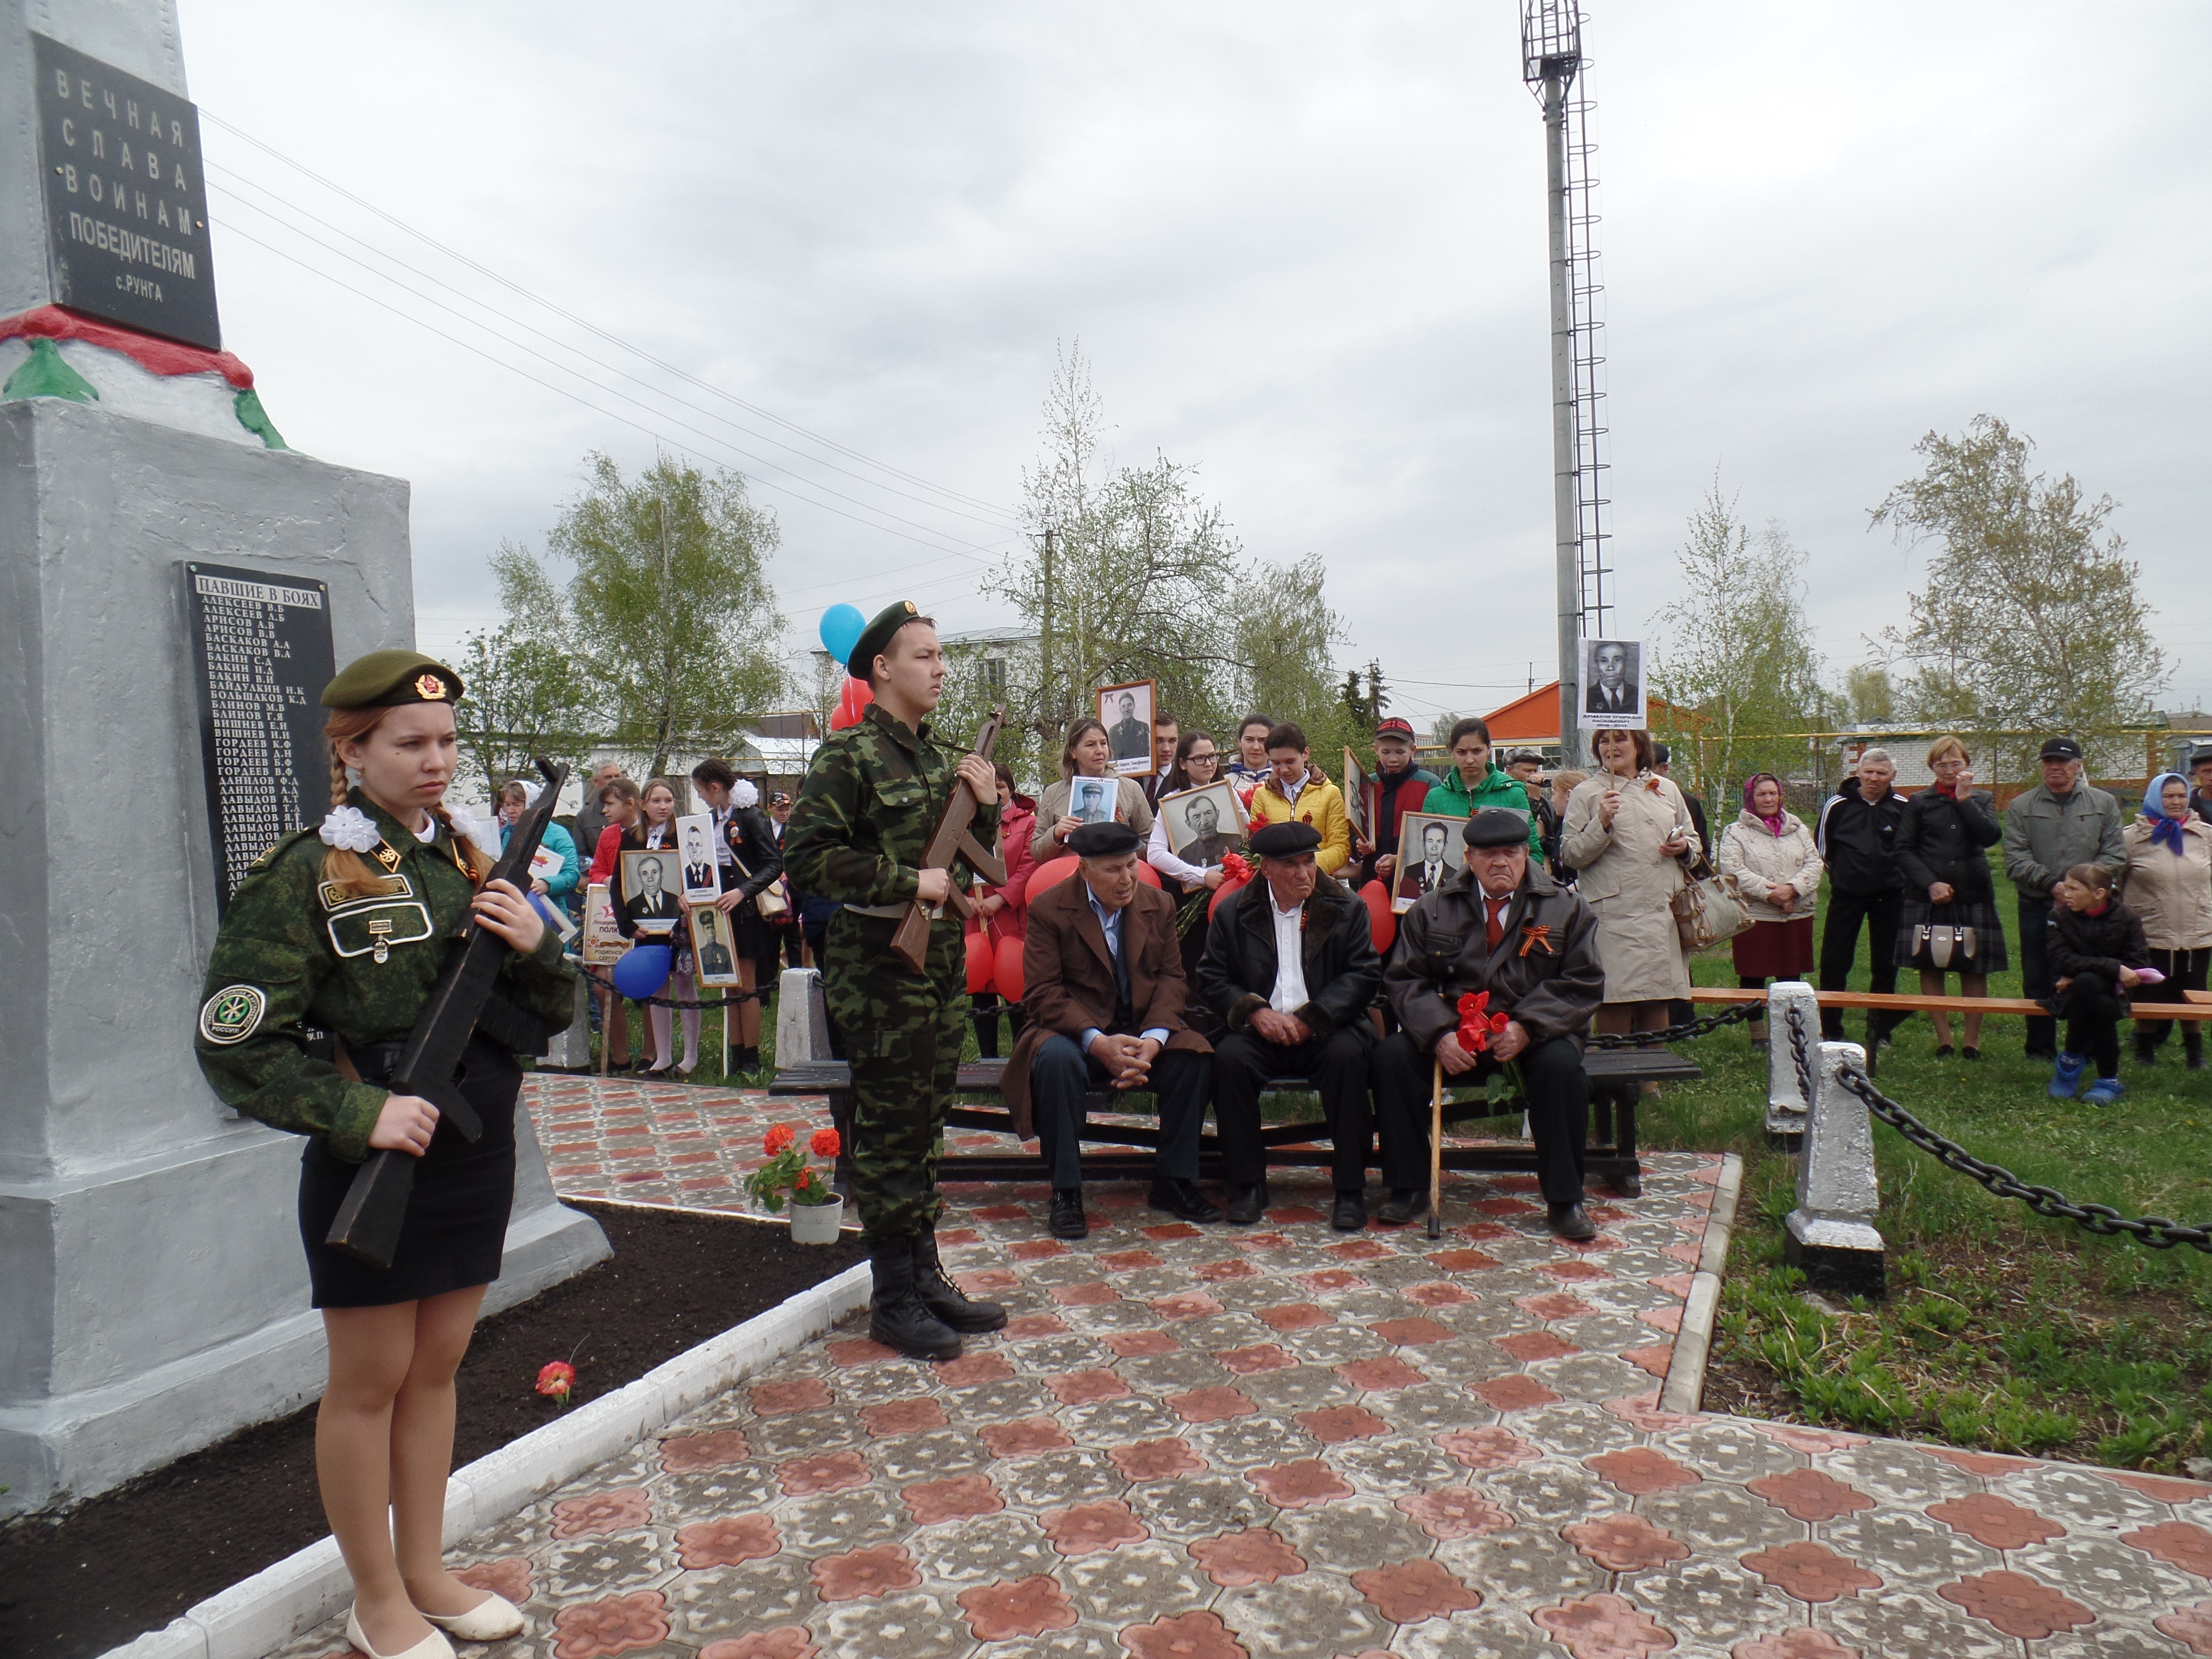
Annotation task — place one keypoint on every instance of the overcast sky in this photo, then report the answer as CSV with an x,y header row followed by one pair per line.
x,y
1302,246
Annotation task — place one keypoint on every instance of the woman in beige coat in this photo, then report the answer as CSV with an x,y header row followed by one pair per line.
x,y
1085,755
1628,831
2167,882
1770,854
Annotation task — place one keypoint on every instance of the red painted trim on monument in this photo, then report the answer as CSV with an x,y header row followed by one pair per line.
x,y
150,352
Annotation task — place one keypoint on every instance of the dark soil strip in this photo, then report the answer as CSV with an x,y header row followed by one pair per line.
x,y
131,1560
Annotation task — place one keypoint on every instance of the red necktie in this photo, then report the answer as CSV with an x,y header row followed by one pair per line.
x,y
1493,925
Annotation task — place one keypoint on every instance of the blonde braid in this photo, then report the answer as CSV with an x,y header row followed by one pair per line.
x,y
343,866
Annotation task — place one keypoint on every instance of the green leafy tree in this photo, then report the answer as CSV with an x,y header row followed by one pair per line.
x,y
668,613
1128,574
1736,666
1870,695
2033,619
525,697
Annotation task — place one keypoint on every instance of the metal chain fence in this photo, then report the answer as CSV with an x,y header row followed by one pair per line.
x,y
758,993
2155,1231
1735,1014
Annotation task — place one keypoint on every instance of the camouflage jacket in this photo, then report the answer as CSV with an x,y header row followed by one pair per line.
x,y
292,955
871,800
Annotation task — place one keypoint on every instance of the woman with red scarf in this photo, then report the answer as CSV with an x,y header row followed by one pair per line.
x,y
1950,923
1005,910
1770,852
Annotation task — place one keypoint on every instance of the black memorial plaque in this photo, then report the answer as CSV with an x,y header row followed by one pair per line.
x,y
126,199
261,656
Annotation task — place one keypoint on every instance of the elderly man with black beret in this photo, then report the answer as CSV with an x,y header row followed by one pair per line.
x,y
1501,924
1103,994
1290,964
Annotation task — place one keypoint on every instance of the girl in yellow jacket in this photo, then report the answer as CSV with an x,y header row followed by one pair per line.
x,y
1295,792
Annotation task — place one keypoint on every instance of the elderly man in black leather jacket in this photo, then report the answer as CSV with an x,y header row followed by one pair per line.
x,y
1297,1013
1502,926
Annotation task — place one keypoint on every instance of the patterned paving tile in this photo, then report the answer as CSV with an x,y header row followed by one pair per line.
x,y
1214,1444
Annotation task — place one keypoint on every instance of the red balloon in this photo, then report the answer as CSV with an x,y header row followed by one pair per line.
x,y
1007,976
1382,924
1229,884
981,960
856,697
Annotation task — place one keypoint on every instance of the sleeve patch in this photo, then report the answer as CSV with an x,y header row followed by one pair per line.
x,y
233,1013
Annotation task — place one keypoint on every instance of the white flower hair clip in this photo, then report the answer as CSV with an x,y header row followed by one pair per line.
x,y
469,827
350,828
744,795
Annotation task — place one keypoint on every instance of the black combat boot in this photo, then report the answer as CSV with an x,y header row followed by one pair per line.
x,y
944,1298
898,1317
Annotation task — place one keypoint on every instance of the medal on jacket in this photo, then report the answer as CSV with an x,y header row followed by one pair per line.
x,y
378,926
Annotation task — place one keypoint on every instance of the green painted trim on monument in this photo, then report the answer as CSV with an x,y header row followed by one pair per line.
x,y
44,375
255,419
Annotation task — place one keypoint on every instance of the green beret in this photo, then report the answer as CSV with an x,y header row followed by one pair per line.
x,y
876,638
390,679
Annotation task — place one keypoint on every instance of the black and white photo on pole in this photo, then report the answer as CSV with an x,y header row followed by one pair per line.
x,y
710,946
1358,798
652,889
1612,686
1204,825
1126,712
694,840
1430,852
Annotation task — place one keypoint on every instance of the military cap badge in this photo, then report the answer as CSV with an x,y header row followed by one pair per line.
x,y
430,687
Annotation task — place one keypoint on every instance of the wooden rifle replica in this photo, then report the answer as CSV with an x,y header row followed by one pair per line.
x,y
955,838
368,1224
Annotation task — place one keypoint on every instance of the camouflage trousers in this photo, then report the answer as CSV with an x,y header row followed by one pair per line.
x,y
901,1033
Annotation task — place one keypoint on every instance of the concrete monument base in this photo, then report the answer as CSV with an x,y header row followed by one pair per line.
x,y
153,1290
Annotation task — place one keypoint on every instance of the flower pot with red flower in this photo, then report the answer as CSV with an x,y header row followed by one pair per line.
x,y
818,1210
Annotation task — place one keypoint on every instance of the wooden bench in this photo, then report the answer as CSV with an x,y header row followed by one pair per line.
x,y
2198,1006
1616,1077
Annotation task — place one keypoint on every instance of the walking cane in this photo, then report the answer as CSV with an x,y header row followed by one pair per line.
x,y
1437,1153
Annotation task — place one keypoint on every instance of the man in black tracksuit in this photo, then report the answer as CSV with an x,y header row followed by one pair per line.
x,y
1858,839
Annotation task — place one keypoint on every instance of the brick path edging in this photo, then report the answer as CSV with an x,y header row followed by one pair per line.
x,y
260,1614
1684,1390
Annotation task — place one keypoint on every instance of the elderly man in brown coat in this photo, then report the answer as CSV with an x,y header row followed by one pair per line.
x,y
1103,995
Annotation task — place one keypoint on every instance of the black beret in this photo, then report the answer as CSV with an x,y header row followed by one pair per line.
x,y
1104,840
390,679
1284,841
876,638
1496,826
2062,749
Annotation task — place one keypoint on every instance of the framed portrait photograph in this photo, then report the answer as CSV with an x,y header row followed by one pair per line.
x,y
653,889
1092,800
604,944
1203,825
1612,686
1430,852
713,954
1359,799
694,840
1126,711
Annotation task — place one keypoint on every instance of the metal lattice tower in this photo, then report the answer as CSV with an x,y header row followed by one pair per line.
x,y
1553,66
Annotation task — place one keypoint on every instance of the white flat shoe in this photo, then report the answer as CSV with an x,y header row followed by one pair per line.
x,y
492,1619
433,1646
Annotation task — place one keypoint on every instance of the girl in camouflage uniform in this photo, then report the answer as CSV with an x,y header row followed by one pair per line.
x,y
321,940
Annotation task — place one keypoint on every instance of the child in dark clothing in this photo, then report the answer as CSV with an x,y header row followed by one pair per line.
x,y
2097,953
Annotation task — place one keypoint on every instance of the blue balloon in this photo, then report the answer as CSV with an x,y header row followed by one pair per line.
x,y
643,970
841,630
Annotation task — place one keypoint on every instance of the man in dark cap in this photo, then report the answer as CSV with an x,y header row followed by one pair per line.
x,y
1290,965
2048,830
1103,993
2200,777
1500,925
873,795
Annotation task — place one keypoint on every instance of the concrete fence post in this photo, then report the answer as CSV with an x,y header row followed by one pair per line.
x,y
1832,1235
570,1050
1786,1102
802,1017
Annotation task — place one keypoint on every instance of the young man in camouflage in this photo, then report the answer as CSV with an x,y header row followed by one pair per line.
x,y
872,798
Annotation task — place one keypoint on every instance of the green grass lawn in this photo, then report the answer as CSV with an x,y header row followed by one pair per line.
x,y
2003,1331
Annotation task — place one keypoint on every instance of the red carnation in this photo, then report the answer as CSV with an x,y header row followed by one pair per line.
x,y
1233,866
824,1144
779,1140
555,1380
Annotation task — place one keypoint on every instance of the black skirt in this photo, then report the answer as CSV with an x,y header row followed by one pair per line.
x,y
455,1232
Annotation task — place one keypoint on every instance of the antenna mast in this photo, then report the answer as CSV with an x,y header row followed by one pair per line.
x,y
1551,61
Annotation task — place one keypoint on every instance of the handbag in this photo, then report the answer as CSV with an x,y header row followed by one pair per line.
x,y
1937,944
769,903
1708,909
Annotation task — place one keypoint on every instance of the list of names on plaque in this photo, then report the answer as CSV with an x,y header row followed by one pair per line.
x,y
261,655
